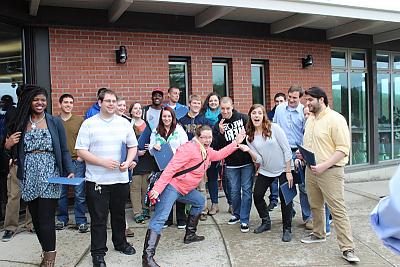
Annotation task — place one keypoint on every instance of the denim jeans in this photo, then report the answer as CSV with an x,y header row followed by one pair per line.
x,y
241,180
212,175
167,200
274,192
80,203
226,186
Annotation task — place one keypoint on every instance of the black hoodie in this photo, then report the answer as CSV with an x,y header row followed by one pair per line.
x,y
233,126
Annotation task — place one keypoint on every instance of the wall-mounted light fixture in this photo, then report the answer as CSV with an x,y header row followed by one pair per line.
x,y
307,62
121,55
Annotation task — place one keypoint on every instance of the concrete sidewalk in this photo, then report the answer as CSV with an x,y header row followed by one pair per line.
x,y
225,245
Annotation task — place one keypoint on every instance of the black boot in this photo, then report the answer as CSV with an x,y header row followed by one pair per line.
x,y
149,249
191,228
265,225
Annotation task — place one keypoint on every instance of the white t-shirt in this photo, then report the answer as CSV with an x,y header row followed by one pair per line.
x,y
153,117
105,139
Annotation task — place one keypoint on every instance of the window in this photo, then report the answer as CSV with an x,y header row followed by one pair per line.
x,y
220,78
178,77
388,86
349,90
258,83
11,72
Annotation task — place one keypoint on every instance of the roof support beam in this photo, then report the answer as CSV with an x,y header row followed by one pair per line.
x,y
352,27
210,14
386,36
292,22
118,8
33,7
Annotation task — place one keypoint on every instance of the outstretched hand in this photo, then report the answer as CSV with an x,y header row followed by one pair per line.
x,y
240,137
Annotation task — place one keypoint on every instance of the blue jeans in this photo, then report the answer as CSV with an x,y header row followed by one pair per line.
x,y
273,196
226,186
80,203
241,180
212,175
167,200
327,215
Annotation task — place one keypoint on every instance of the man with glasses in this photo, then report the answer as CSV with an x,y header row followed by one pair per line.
x,y
100,144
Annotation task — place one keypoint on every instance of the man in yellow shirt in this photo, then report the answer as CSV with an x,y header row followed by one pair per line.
x,y
327,136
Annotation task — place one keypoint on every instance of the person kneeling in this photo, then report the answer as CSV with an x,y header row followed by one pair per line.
x,y
178,182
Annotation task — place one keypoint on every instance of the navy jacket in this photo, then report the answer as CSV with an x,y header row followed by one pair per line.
x,y
62,155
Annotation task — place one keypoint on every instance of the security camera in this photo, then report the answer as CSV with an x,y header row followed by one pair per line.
x,y
307,62
121,55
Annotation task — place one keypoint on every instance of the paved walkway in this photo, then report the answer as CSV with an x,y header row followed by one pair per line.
x,y
225,245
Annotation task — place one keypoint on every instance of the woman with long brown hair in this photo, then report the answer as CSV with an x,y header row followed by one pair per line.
x,y
269,147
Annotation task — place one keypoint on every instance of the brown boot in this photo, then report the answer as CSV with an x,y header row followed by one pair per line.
x,y
48,258
149,249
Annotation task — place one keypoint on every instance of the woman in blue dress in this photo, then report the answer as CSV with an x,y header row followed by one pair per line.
x,y
41,153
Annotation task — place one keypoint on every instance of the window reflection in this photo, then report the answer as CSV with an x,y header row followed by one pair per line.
x,y
257,82
220,78
358,118
178,77
384,117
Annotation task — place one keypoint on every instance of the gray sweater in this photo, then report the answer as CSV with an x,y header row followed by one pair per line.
x,y
272,153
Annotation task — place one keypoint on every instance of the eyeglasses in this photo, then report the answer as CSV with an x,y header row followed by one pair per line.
x,y
110,101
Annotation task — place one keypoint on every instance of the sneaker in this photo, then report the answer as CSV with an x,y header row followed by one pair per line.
x,y
244,227
98,261
128,250
328,233
83,228
181,225
60,225
129,232
309,225
349,256
233,220
167,224
287,235
8,235
272,206
311,238
139,219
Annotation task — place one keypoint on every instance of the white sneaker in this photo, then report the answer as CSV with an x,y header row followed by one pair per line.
x,y
349,256
244,228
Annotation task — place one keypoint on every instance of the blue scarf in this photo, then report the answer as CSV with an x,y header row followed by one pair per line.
x,y
212,116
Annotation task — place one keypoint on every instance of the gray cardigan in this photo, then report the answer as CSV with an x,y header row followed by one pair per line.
x,y
59,139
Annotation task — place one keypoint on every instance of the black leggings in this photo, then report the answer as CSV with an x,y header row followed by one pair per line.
x,y
260,188
43,211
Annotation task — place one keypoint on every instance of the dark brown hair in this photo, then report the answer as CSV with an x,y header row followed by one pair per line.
x,y
161,128
266,124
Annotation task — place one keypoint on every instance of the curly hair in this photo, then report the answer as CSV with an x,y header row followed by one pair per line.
x,y
205,104
265,125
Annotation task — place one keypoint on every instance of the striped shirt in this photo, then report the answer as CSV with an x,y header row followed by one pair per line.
x,y
105,139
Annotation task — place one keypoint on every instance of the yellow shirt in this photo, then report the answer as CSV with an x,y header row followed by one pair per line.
x,y
326,134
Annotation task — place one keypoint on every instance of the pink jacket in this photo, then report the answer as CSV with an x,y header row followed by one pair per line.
x,y
186,156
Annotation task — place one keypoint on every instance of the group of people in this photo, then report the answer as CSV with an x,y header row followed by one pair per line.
x,y
257,150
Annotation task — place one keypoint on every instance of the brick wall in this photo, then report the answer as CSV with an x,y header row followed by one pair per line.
x,y
84,60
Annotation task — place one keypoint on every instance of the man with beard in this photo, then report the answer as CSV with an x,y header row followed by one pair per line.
x,y
327,136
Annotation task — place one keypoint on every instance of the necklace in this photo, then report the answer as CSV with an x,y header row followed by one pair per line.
x,y
34,124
